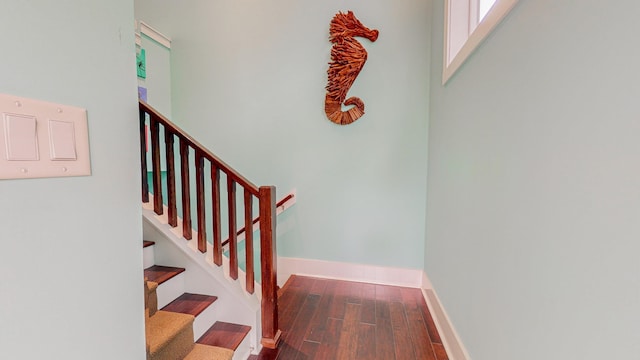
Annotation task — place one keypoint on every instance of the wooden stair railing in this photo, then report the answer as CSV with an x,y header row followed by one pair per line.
x,y
280,203
264,194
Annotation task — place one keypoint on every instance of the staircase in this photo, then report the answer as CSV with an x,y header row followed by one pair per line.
x,y
182,327
205,286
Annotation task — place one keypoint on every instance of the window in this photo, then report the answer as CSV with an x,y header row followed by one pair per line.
x,y
484,7
467,23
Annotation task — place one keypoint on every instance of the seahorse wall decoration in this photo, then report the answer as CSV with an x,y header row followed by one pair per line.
x,y
347,59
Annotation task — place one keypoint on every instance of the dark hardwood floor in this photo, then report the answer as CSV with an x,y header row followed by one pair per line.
x,y
332,319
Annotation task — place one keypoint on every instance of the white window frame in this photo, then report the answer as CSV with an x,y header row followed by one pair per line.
x,y
463,33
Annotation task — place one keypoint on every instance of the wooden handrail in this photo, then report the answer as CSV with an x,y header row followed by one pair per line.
x,y
257,218
265,195
228,170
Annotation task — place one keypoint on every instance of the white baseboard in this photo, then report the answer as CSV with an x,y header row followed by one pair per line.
x,y
347,271
450,339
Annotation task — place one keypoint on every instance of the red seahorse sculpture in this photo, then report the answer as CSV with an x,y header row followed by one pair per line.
x,y
347,59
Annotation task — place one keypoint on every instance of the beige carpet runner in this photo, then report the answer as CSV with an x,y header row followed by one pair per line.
x,y
170,335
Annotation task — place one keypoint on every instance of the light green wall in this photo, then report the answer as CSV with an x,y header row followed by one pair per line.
x,y
248,80
71,258
158,80
533,201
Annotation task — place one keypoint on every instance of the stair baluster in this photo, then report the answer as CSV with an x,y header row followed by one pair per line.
x,y
248,239
215,201
155,162
172,212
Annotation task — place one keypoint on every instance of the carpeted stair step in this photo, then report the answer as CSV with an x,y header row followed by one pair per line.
x,y
225,335
205,352
151,297
169,335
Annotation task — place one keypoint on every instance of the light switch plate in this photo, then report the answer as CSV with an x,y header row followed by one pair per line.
x,y
42,139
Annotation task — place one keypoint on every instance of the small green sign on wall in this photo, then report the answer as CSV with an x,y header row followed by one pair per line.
x,y
141,61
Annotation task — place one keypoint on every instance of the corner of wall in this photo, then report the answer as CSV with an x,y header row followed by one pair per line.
x,y
450,339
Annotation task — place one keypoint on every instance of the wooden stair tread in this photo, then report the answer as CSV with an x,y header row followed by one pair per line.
x,y
160,274
226,335
192,304
147,243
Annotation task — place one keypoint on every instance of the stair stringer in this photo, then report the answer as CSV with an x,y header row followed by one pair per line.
x,y
202,276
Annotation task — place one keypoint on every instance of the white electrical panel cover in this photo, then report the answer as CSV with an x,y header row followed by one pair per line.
x,y
42,139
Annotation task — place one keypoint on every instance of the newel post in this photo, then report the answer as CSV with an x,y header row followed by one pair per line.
x,y
268,260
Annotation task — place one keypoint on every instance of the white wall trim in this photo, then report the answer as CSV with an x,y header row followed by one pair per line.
x,y
450,65
453,345
154,34
426,283
346,271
